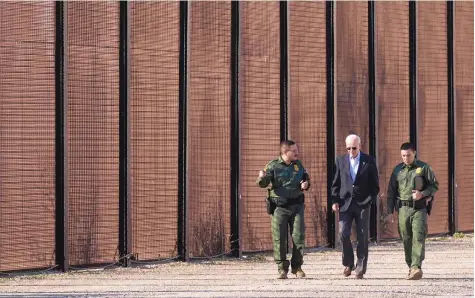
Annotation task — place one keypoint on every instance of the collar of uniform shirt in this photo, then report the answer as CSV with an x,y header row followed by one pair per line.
x,y
282,161
412,165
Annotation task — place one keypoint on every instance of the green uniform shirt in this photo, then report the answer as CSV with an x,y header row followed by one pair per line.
x,y
285,178
401,183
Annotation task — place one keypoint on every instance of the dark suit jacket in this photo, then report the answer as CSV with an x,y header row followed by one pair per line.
x,y
364,190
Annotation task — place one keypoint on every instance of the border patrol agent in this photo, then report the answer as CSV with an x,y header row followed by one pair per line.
x,y
413,201
289,179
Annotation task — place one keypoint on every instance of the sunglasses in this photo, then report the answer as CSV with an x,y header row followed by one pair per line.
x,y
350,148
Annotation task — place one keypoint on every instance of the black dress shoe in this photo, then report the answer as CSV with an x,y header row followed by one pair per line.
x,y
347,271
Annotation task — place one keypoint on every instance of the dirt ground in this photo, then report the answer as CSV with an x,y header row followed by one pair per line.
x,y
448,271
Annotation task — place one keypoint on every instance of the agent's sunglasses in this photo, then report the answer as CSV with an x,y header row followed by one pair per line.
x,y
350,148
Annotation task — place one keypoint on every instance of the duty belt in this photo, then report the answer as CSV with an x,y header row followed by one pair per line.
x,y
280,202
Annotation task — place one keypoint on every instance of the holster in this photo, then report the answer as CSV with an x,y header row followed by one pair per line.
x,y
270,204
420,204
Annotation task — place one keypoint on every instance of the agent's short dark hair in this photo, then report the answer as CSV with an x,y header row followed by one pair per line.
x,y
408,146
287,143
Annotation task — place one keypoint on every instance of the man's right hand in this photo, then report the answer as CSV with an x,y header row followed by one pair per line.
x,y
335,207
262,174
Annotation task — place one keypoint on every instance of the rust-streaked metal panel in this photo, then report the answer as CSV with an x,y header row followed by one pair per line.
x,y
463,48
208,147
392,96
93,131
307,108
260,114
432,104
27,135
154,54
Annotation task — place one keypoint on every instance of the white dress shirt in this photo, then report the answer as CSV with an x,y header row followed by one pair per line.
x,y
354,164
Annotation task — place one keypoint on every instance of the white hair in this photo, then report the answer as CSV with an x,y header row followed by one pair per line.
x,y
352,137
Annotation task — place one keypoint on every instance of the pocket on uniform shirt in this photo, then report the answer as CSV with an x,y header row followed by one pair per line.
x,y
401,177
401,180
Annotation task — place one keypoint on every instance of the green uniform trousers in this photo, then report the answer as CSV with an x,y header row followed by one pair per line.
x,y
413,231
284,217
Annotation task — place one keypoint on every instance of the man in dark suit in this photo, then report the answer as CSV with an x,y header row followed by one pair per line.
x,y
354,187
